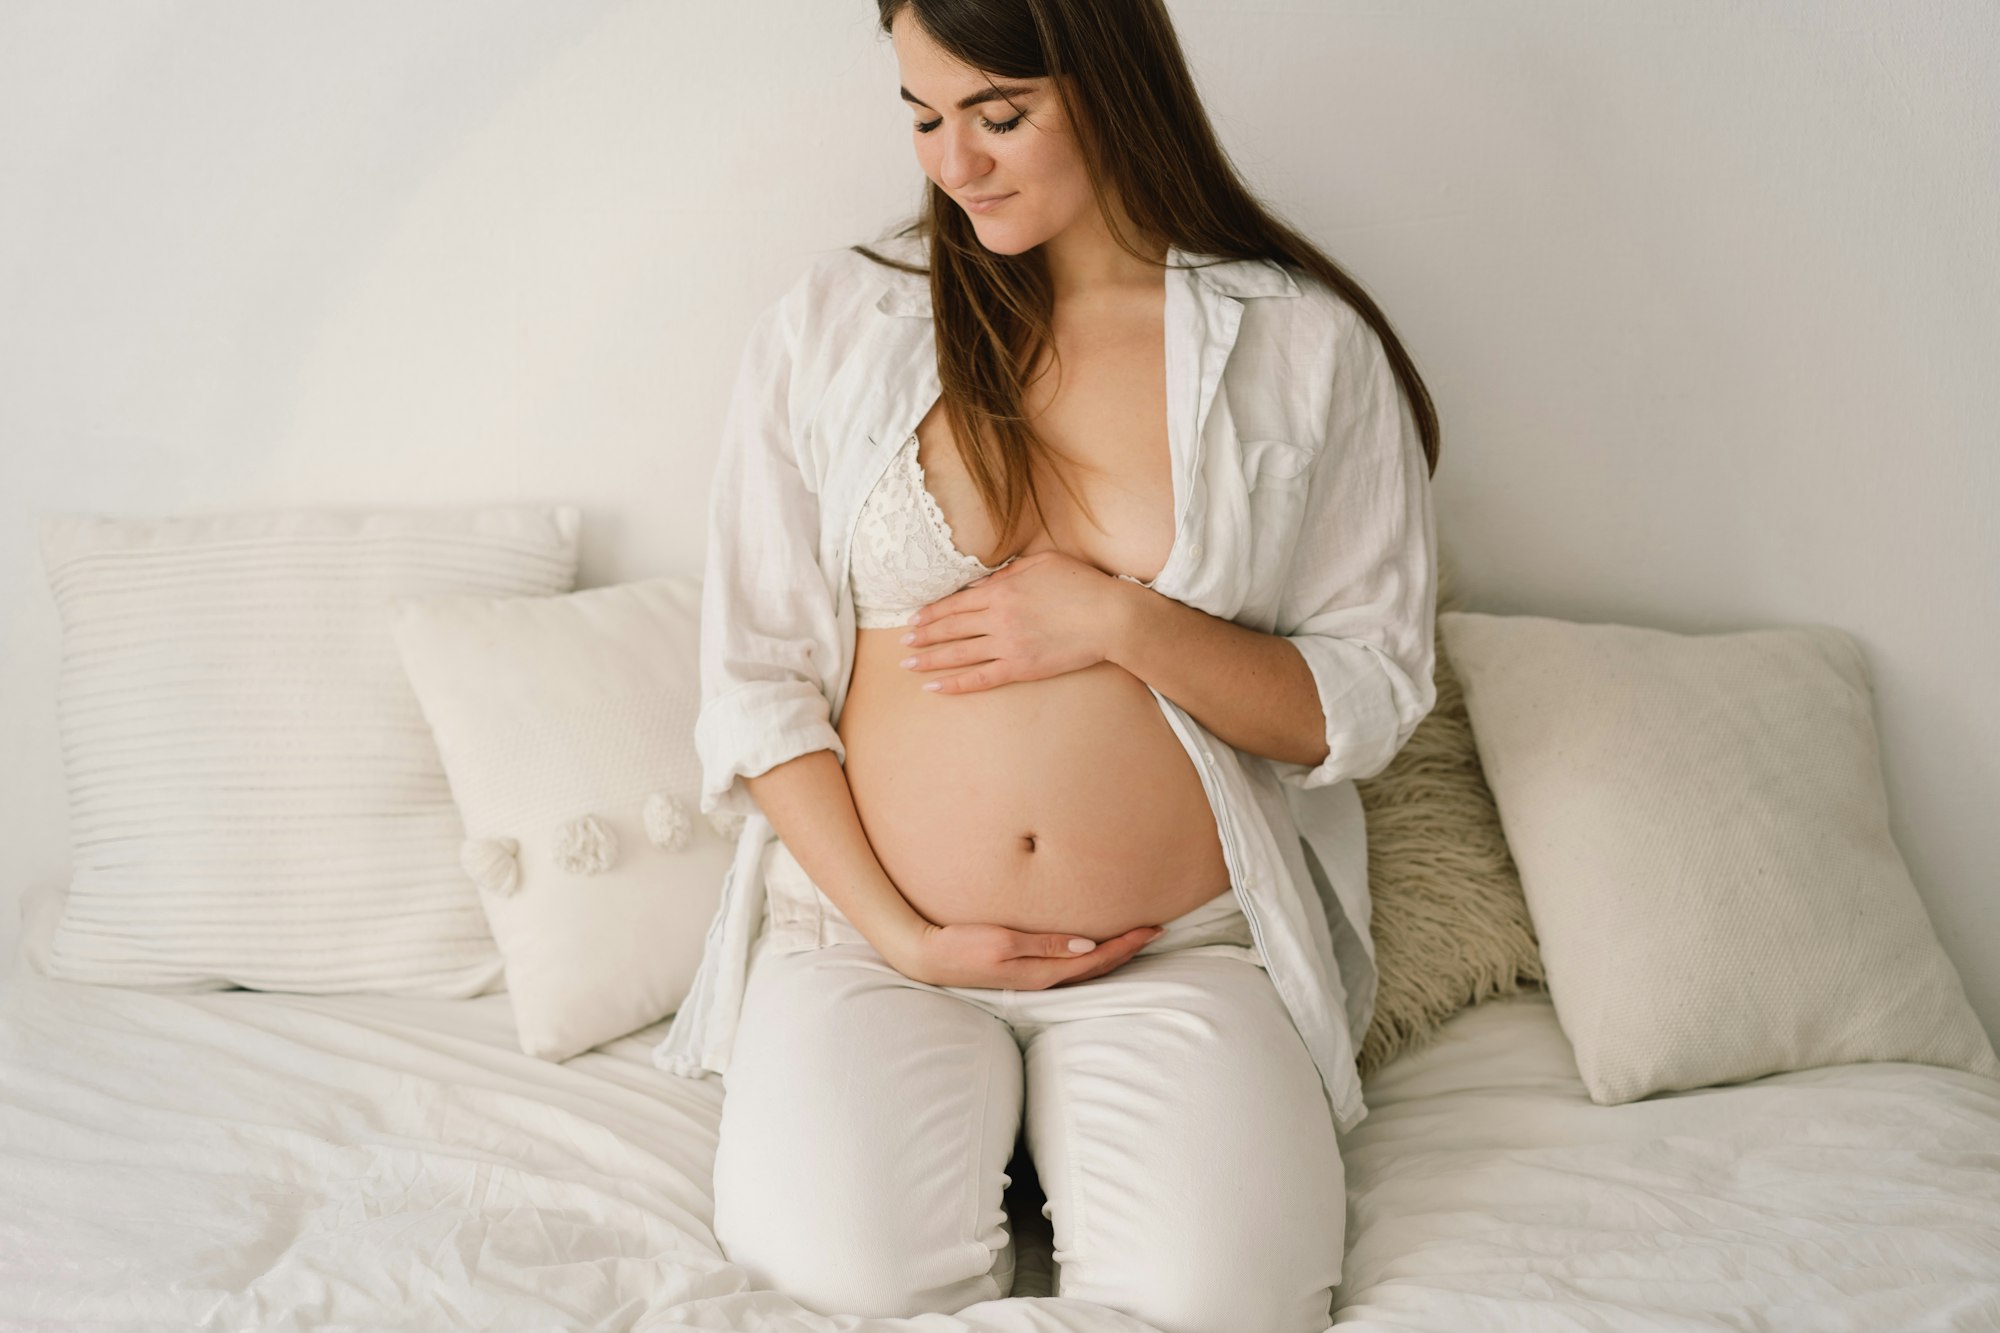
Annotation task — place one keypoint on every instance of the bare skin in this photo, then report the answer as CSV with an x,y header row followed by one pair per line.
x,y
1060,804
1066,803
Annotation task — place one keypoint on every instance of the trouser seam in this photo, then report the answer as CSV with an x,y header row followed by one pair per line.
x,y
975,1178
1078,1210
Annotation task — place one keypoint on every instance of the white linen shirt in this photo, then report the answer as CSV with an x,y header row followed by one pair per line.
x,y
1302,508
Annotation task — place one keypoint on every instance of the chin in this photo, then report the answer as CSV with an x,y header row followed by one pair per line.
x,y
1008,240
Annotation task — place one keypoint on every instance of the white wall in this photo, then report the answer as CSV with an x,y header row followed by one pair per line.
x,y
1706,292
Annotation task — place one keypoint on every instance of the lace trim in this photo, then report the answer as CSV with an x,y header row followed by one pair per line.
x,y
904,556
935,514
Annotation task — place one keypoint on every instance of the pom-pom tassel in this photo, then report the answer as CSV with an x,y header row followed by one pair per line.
x,y
586,845
667,822
493,863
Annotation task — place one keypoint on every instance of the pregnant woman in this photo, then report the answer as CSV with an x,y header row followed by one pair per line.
x,y
1050,549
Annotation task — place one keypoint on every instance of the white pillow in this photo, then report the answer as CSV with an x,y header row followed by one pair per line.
x,y
567,729
254,797
1702,833
41,908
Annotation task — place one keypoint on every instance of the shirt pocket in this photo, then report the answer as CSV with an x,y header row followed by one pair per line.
x,y
1275,463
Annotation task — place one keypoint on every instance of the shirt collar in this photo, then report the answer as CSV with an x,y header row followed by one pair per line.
x,y
910,293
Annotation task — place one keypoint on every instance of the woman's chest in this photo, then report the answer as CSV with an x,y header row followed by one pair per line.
x,y
1103,472
1194,465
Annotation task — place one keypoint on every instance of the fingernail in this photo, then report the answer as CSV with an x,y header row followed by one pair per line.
x,y
1082,946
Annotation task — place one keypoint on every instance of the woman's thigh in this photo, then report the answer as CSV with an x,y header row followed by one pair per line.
x,y
1186,1148
867,1122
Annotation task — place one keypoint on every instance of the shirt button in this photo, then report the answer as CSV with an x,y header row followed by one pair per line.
x,y
1195,550
1207,757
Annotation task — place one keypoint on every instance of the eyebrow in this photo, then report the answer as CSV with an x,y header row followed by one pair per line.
x,y
995,93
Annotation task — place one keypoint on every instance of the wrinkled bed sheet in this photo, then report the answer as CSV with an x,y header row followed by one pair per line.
x,y
1487,1192
239,1160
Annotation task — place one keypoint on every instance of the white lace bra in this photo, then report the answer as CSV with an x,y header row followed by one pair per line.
x,y
904,557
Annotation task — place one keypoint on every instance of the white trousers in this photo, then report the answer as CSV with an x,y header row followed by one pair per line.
x,y
1174,1118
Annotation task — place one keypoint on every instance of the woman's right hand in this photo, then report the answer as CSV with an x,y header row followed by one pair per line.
x,y
996,957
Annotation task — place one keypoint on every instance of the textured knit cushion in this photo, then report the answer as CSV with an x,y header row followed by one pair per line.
x,y
567,729
255,799
1451,926
1702,833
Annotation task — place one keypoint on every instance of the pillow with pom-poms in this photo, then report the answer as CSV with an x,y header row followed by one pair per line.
x,y
566,726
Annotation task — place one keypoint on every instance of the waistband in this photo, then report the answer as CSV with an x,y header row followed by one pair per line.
x,y
799,915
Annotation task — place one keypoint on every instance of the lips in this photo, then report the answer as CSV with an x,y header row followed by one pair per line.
x,y
987,204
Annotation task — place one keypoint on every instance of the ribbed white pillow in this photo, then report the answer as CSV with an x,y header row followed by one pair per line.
x,y
567,728
255,798
1702,832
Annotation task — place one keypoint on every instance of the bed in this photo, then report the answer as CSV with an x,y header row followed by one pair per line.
x,y
269,786
251,1160
1486,1191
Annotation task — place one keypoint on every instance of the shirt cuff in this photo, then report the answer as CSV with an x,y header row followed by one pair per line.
x,y
1368,705
754,728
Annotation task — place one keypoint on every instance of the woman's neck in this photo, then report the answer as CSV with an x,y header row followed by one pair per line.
x,y
1087,267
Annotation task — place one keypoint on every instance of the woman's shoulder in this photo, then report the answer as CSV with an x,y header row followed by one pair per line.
x,y
900,247
1322,329
844,283
1320,306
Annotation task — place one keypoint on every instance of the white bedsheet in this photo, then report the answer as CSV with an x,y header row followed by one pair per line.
x,y
256,1161
1487,1192
238,1161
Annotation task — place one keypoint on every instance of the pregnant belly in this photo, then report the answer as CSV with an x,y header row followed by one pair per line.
x,y
1064,804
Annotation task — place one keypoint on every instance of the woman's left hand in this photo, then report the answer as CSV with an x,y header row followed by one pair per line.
x,y
1040,615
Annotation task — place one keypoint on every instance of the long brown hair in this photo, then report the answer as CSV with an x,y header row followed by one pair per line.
x,y
1127,94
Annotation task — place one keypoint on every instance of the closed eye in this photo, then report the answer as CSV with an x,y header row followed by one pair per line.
x,y
925,127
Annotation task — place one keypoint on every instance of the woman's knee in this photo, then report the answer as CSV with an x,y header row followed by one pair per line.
x,y
1217,1298
1192,1157
1217,1273
858,1270
866,1127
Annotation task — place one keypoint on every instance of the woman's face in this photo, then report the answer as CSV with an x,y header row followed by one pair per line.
x,y
1017,146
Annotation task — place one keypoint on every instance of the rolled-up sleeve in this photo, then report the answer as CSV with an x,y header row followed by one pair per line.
x,y
1360,601
768,625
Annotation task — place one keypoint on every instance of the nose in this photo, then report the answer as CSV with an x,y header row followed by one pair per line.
x,y
963,161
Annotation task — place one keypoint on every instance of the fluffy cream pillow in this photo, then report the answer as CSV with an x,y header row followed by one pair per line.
x,y
567,729
254,797
1451,926
1702,833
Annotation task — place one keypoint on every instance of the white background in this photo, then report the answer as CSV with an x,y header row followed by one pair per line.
x,y
1708,294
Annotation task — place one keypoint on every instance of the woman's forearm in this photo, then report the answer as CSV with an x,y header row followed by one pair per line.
x,y
1252,690
809,803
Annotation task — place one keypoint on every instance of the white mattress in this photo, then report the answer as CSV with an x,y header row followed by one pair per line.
x,y
239,1160
1487,1192
246,1161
